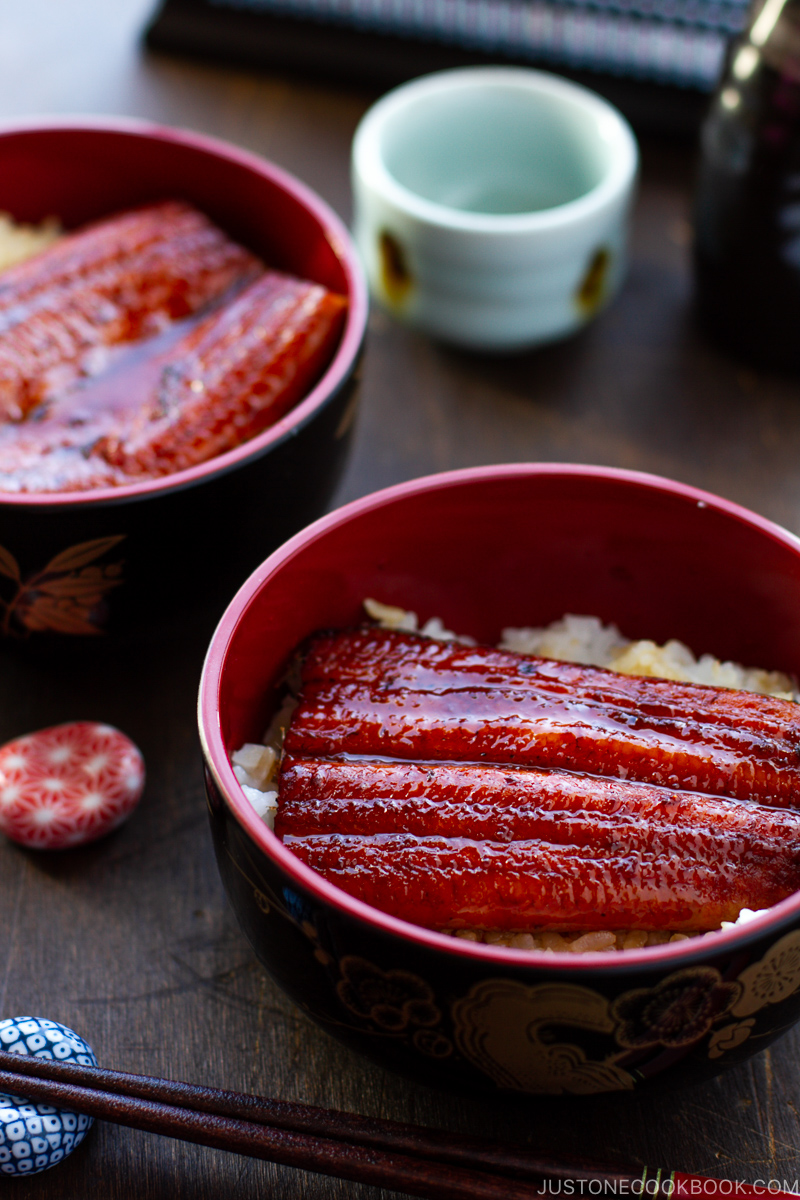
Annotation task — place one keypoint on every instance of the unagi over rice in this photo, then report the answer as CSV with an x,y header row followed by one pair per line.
x,y
147,343
467,788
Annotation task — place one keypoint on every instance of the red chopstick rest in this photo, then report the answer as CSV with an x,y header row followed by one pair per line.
x,y
68,784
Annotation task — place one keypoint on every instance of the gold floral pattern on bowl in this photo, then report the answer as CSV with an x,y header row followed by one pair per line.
x,y
679,1011
773,979
394,1000
503,1028
66,596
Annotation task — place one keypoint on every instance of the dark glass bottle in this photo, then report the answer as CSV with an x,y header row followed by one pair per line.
x,y
747,210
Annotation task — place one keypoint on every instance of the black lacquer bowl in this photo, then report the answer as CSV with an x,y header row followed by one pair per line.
x,y
482,549
87,562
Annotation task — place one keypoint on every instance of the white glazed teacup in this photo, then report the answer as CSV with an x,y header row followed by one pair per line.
x,y
491,204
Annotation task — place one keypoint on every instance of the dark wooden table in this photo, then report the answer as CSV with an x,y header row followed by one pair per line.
x,y
131,941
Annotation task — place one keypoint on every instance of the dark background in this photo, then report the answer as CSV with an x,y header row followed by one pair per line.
x,y
131,941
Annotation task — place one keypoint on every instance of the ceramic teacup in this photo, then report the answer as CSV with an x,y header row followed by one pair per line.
x,y
491,204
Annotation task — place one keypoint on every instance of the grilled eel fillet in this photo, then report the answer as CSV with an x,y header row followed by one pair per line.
x,y
460,786
238,371
118,280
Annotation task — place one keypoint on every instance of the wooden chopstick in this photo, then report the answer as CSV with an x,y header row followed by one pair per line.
x,y
421,1142
407,1158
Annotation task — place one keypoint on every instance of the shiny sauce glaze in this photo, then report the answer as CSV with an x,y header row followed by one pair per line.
x,y
461,787
147,343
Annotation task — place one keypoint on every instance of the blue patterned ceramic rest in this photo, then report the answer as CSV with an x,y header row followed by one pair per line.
x,y
34,1137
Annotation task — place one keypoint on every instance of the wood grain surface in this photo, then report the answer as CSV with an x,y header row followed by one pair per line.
x,y
131,941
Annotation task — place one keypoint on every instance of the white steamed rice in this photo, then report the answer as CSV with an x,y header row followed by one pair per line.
x,y
18,242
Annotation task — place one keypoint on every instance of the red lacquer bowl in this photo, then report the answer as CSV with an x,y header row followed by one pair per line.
x,y
485,548
149,545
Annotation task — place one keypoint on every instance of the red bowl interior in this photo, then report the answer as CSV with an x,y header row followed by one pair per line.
x,y
82,169
506,545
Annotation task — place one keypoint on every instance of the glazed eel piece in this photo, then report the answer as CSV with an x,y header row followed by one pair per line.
x,y
240,370
458,786
117,280
376,692
458,845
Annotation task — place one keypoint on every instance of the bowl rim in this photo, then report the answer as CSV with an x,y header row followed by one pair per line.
x,y
371,171
216,758
326,388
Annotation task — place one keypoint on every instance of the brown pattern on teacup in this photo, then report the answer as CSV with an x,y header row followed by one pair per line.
x,y
593,287
395,273
68,595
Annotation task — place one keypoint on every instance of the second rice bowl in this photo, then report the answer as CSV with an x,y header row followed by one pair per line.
x,y
163,544
657,559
